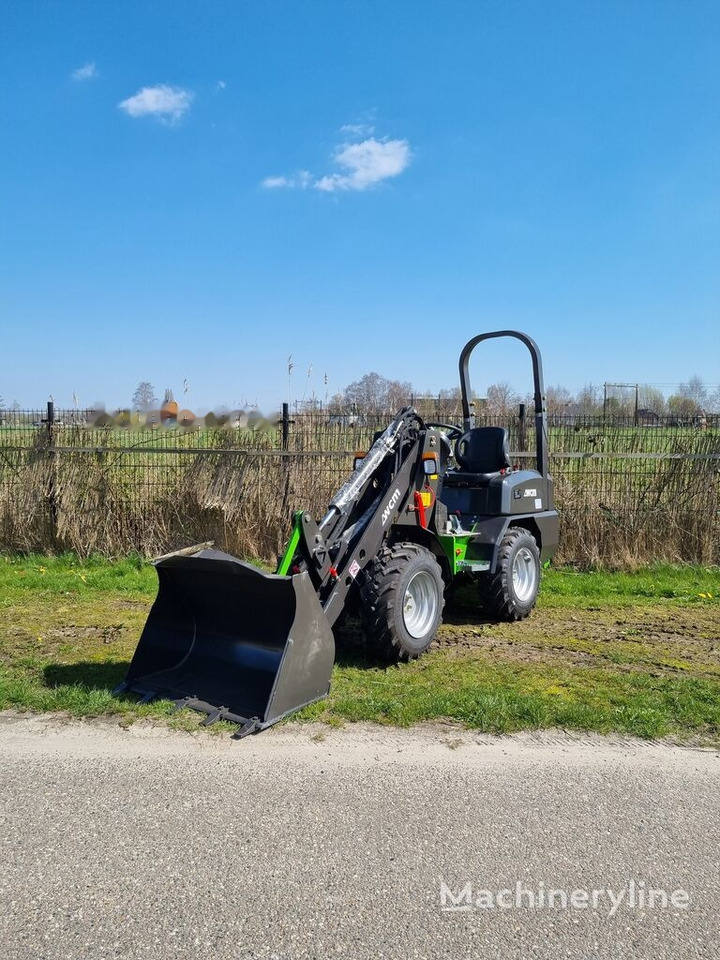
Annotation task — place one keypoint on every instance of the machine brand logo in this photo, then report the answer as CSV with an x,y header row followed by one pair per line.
x,y
390,504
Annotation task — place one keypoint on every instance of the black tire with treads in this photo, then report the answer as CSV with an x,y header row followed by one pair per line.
x,y
511,592
402,601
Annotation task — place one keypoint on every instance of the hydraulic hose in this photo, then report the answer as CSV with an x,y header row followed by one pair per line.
x,y
385,444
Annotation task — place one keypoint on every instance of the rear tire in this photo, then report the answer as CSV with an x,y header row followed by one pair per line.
x,y
402,602
511,592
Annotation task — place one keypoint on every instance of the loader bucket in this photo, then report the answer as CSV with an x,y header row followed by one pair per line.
x,y
225,638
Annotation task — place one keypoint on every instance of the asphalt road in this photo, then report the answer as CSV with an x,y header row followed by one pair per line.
x,y
144,844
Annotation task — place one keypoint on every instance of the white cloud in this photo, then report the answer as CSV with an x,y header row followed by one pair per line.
x,y
302,179
272,183
358,129
88,72
364,164
220,85
168,104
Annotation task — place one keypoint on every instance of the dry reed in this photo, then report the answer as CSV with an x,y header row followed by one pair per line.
x,y
621,503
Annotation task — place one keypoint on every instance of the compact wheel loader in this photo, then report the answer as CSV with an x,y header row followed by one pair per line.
x,y
430,504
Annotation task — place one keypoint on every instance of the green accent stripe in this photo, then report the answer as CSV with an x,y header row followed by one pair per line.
x,y
291,548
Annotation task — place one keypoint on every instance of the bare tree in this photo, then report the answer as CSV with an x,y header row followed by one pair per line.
x,y
589,400
449,395
144,397
450,403
694,390
502,398
652,399
713,403
398,395
558,401
374,393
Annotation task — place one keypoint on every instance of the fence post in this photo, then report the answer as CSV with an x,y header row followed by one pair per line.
x,y
52,479
285,425
522,427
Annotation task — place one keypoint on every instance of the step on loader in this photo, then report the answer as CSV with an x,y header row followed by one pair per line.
x,y
428,505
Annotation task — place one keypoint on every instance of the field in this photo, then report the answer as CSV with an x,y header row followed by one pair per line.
x,y
635,653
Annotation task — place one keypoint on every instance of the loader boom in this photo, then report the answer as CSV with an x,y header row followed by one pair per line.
x,y
378,495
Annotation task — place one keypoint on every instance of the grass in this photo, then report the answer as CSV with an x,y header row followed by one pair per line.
x,y
68,629
632,653
650,585
502,698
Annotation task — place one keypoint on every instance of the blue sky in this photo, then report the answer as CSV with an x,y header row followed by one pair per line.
x,y
195,191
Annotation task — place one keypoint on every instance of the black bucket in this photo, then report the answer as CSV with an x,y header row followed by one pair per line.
x,y
232,641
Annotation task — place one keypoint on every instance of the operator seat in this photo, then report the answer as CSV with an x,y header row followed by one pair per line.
x,y
481,454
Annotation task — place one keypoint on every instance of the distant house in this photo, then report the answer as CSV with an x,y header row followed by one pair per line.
x,y
647,418
169,409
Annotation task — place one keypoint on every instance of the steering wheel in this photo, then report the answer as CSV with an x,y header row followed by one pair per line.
x,y
447,438
453,430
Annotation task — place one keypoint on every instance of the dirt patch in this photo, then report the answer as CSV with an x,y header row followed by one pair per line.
x,y
106,634
665,640
80,629
132,604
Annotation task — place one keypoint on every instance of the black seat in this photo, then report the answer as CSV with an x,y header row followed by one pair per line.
x,y
481,454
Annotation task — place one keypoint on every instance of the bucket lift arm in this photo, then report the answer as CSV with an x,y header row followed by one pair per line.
x,y
391,485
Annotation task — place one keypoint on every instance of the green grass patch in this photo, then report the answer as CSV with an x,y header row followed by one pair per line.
x,y
596,655
502,697
67,575
655,584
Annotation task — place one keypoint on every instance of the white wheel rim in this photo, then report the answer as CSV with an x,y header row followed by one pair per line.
x,y
420,604
524,575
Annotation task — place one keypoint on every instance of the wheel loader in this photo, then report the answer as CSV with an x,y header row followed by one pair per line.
x,y
429,505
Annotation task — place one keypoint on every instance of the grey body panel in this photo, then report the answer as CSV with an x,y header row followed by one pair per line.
x,y
489,506
487,534
515,493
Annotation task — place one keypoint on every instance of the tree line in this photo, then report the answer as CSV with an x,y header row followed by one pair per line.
x,y
375,394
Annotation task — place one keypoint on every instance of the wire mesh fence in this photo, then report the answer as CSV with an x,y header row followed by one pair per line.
x,y
627,493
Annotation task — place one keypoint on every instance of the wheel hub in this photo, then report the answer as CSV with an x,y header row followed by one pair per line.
x,y
524,575
420,604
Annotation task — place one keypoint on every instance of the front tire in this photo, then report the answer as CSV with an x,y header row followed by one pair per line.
x,y
402,602
511,592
